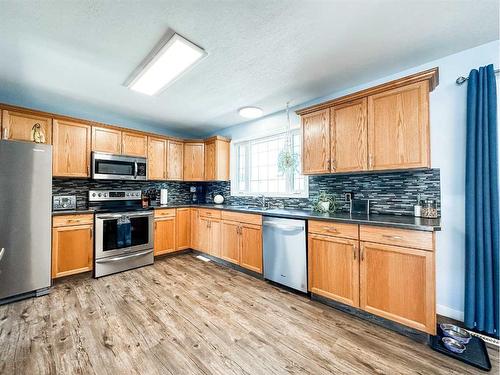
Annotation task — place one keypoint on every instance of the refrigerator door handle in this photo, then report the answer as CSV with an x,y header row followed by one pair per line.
x,y
2,252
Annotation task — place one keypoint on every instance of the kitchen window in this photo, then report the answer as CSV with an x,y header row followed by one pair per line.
x,y
255,168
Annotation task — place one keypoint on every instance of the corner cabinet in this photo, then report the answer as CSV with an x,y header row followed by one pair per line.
x,y
385,127
72,244
194,161
216,159
71,151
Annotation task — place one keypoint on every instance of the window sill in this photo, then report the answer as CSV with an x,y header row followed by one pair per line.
x,y
243,195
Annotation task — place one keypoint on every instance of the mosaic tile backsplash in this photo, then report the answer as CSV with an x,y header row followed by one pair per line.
x,y
389,192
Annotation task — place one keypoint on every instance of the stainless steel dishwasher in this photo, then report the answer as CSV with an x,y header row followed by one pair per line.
x,y
285,258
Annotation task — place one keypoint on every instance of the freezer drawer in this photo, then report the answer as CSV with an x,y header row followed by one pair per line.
x,y
285,256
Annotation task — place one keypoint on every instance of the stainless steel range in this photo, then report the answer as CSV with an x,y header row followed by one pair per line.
x,y
123,231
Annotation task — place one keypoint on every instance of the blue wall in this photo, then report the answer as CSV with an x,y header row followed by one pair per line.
x,y
447,117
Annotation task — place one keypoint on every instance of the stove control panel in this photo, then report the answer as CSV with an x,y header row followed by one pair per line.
x,y
114,195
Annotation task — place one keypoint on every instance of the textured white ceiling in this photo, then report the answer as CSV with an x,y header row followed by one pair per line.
x,y
73,57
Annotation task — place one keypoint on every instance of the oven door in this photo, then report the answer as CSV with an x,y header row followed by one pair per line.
x,y
117,167
124,232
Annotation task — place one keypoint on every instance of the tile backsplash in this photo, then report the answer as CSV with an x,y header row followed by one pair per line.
x,y
389,192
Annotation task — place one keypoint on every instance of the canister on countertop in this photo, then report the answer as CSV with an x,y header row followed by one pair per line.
x,y
429,209
417,209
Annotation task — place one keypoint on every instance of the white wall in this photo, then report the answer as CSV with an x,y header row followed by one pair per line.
x,y
448,122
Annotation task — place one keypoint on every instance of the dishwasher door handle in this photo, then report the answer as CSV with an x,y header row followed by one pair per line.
x,y
283,227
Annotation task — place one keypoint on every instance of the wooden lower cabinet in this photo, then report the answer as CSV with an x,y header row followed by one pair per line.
x,y
334,268
72,246
209,236
251,247
164,235
195,228
183,228
398,283
230,234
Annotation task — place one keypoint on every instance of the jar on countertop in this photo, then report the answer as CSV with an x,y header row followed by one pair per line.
x,y
429,209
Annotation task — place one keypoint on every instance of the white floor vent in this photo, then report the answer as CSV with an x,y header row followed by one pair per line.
x,y
201,257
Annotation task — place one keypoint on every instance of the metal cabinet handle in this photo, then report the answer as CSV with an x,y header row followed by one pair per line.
x,y
2,252
334,165
329,229
91,232
354,251
362,253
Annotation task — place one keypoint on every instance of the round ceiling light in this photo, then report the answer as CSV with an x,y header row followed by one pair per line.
x,y
250,112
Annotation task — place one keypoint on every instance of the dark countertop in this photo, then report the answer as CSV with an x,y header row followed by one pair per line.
x,y
395,221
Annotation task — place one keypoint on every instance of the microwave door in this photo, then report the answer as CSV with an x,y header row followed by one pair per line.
x,y
114,169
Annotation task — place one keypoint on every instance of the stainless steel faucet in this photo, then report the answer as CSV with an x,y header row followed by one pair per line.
x,y
263,201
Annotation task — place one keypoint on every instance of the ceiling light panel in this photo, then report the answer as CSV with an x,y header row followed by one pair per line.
x,y
173,59
250,112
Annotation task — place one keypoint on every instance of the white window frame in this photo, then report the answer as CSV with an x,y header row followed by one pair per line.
x,y
234,168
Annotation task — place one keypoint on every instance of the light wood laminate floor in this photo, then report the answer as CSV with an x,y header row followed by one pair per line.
x,y
185,316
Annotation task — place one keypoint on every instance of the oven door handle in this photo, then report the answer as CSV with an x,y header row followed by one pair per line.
x,y
135,169
129,215
124,257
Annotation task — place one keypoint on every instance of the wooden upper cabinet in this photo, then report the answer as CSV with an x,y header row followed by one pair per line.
x,y
334,268
183,228
349,137
134,144
316,142
217,160
106,140
157,158
71,151
175,160
18,126
398,128
194,161
398,283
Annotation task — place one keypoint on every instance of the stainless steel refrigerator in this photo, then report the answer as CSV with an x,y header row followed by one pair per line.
x,y
25,219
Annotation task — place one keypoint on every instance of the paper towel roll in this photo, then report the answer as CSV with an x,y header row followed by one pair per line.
x,y
163,196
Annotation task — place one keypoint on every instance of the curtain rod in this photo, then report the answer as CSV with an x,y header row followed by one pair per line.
x,y
461,80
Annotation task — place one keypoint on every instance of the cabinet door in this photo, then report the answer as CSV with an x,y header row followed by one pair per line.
x,y
210,166
195,228
72,249
316,142
349,137
164,236
251,247
183,232
398,283
398,128
157,158
71,151
106,140
204,235
175,160
194,161
134,144
215,238
334,268
230,249
18,126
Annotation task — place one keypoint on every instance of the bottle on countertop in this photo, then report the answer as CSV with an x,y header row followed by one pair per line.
x,y
417,209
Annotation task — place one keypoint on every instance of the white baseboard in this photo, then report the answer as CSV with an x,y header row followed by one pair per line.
x,y
450,313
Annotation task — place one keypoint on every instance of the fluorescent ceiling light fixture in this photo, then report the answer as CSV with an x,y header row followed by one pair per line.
x,y
173,59
250,112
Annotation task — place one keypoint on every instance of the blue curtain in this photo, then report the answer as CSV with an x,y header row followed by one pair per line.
x,y
481,204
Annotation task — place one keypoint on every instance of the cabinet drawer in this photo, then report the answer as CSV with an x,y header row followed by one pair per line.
x,y
333,229
205,212
164,212
66,220
398,237
242,218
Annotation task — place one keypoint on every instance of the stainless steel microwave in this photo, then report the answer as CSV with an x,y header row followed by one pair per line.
x,y
118,167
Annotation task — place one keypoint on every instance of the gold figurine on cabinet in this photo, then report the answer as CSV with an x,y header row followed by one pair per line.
x,y
37,135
